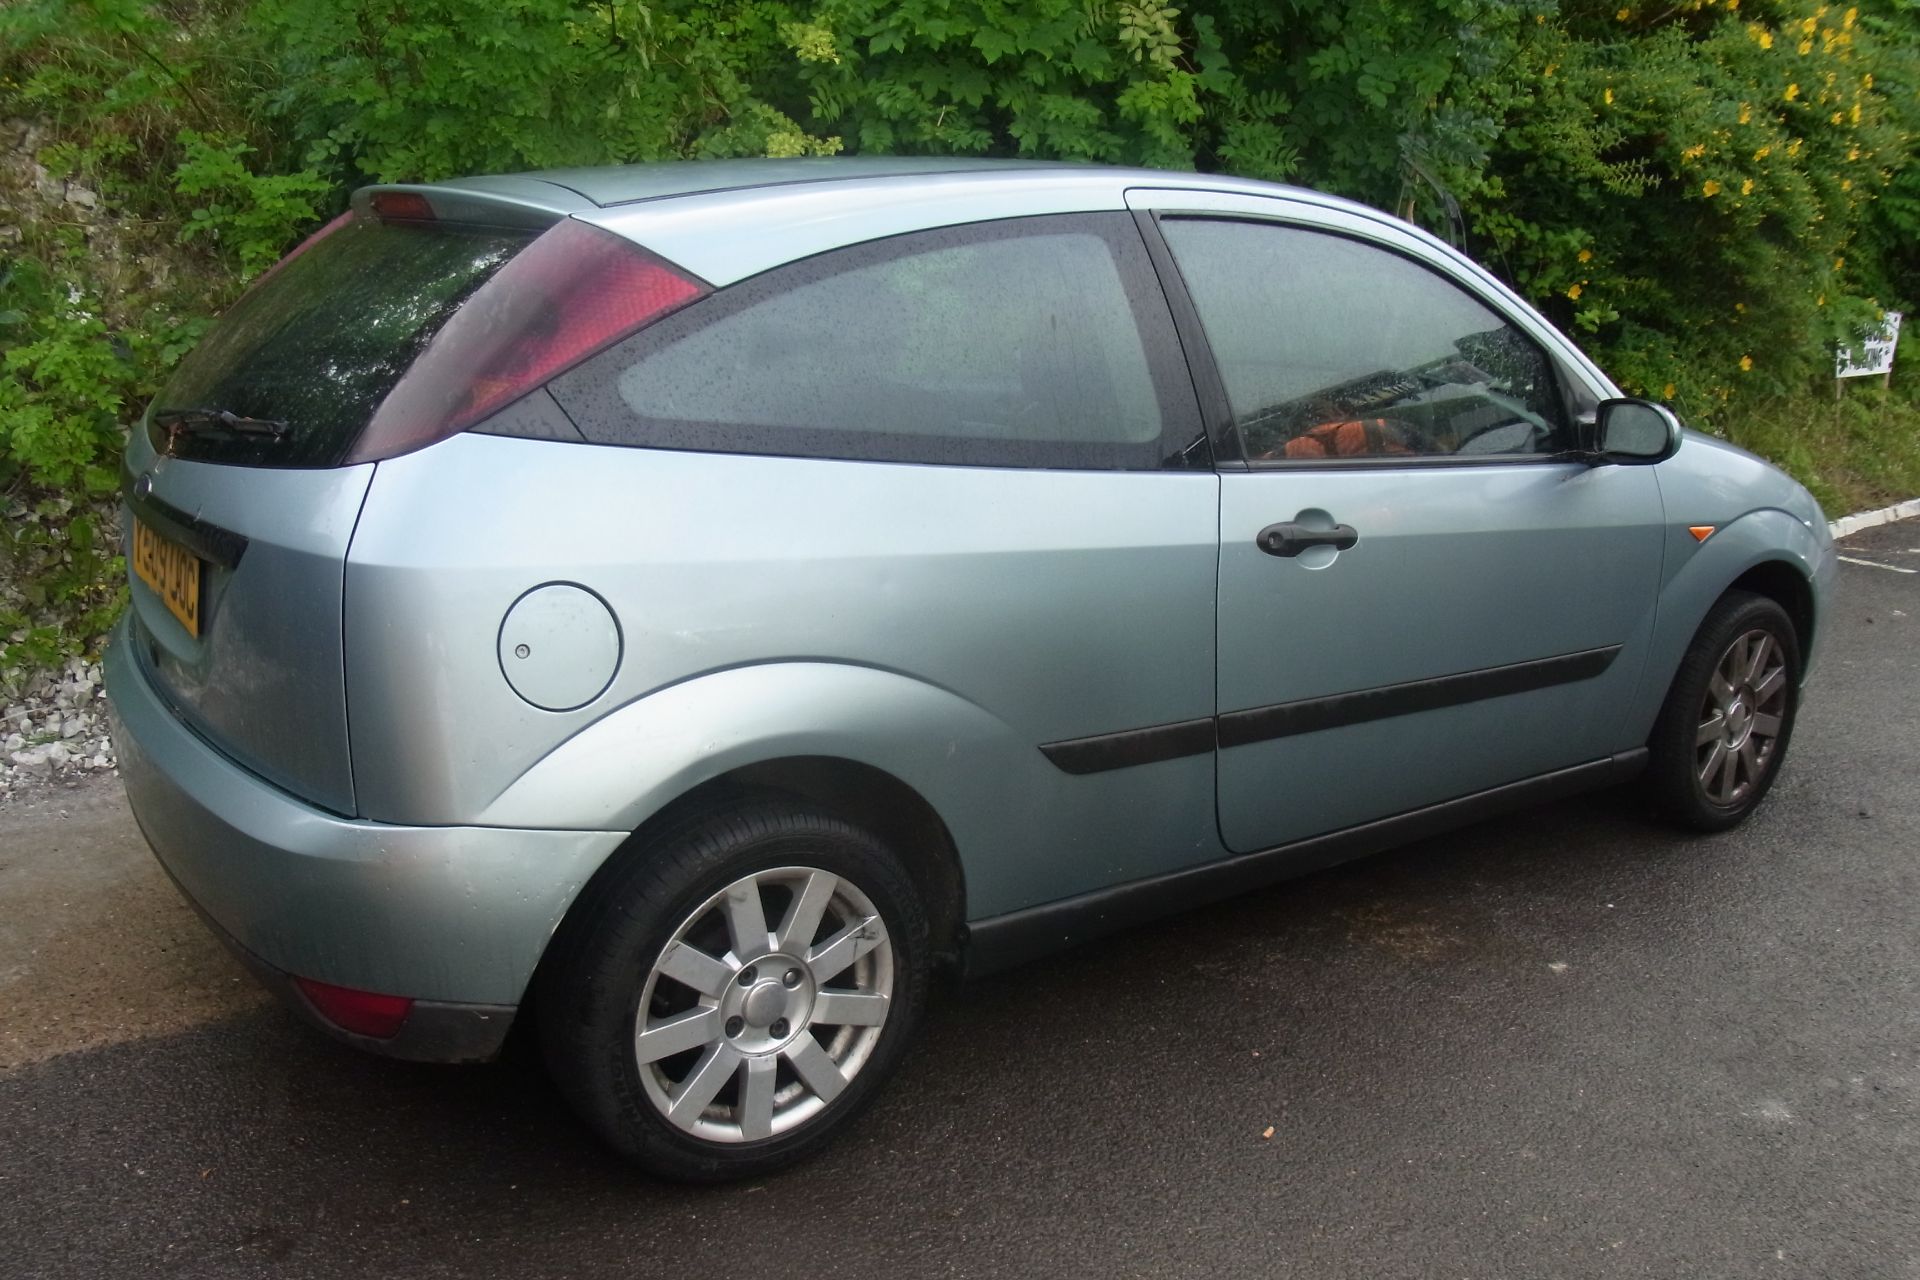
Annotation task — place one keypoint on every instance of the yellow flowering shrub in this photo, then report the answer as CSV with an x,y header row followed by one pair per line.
x,y
1719,181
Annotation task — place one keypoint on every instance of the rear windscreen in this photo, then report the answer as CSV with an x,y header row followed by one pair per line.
x,y
321,340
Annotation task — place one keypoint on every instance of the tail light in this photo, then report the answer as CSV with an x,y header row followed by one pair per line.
x,y
571,293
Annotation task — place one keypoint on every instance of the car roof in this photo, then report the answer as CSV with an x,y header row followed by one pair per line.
x,y
730,218
629,183
612,186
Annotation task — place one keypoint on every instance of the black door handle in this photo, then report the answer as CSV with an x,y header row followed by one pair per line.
x,y
1291,539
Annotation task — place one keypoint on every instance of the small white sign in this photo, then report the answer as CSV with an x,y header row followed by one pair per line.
x,y
1876,353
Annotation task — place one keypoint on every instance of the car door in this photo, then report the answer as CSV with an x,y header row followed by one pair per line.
x,y
1421,596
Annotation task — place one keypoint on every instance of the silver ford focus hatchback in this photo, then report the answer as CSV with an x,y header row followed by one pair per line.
x,y
692,604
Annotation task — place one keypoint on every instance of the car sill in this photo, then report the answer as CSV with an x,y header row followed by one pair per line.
x,y
1003,941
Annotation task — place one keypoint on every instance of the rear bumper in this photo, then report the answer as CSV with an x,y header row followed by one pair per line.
x,y
435,1031
454,917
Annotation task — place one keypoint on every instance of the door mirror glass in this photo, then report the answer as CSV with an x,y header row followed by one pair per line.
x,y
1636,431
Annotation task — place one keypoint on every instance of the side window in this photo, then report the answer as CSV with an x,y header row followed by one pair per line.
x,y
1035,342
1333,348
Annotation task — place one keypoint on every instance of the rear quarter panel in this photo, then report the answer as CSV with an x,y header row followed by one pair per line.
x,y
938,623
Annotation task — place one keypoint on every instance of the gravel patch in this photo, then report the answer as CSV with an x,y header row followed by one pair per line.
x,y
56,733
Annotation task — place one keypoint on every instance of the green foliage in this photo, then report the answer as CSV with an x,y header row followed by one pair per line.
x,y
1050,78
65,381
390,90
1375,90
1690,191
1857,451
1712,194
125,107
63,386
61,588
251,217
70,370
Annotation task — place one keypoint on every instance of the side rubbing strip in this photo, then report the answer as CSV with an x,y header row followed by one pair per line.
x,y
1310,715
1131,746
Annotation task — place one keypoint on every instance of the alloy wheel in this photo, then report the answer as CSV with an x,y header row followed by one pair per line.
x,y
748,1028
1741,717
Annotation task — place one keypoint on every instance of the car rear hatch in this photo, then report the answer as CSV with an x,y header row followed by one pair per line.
x,y
246,476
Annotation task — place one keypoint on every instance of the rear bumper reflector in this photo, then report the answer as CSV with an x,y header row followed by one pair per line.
x,y
365,1013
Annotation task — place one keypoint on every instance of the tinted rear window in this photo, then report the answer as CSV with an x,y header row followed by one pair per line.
x,y
320,341
1033,342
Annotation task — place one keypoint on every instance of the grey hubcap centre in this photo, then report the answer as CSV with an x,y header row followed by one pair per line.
x,y
765,1013
765,1003
1739,722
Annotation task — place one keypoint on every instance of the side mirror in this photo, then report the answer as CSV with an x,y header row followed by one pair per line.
x,y
1635,432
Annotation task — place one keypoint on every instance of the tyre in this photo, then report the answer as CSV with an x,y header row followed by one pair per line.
x,y
733,992
1723,730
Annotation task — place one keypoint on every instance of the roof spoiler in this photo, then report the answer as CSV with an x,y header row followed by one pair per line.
x,y
520,203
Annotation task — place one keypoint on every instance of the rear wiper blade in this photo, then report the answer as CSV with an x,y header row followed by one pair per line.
x,y
196,421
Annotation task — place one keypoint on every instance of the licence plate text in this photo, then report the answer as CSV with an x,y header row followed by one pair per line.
x,y
172,571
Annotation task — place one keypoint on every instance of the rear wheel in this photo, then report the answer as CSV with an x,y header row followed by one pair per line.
x,y
736,991
1723,731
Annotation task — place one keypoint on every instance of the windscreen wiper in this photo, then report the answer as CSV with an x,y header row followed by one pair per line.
x,y
201,421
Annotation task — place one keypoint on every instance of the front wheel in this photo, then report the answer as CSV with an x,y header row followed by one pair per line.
x,y
736,990
1724,728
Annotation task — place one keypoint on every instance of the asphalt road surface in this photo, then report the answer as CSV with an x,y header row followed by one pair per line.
x,y
1568,1043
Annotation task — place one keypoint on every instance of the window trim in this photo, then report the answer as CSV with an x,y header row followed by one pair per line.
x,y
1228,446
591,393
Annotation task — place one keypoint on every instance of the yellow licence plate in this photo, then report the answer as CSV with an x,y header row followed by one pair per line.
x,y
171,570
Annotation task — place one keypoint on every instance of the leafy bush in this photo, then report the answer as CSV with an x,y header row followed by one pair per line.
x,y
1109,82
250,217
134,217
1690,192
414,90
63,385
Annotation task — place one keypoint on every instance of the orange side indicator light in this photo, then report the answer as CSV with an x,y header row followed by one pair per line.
x,y
1701,532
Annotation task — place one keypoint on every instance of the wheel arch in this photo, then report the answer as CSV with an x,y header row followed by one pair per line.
x,y
1769,552
861,794
915,765
878,802
1788,586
